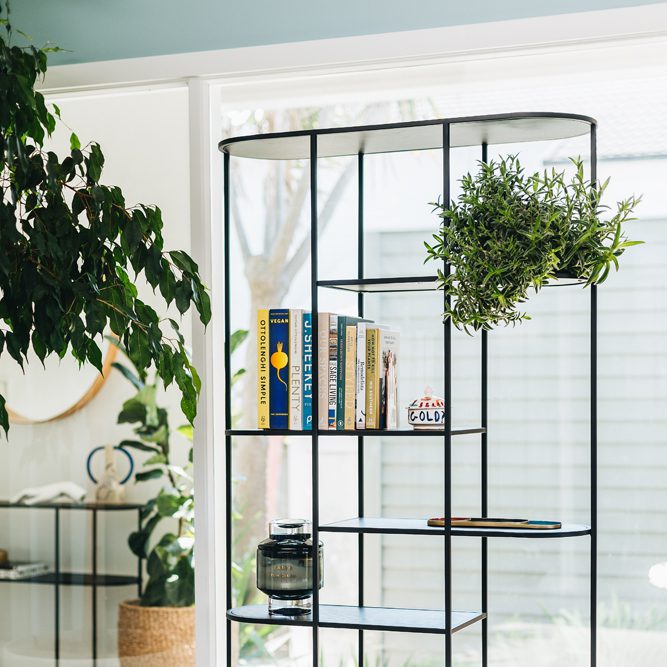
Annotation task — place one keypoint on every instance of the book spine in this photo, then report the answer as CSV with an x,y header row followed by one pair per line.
x,y
307,371
278,368
360,403
295,369
333,370
392,387
350,375
340,383
323,370
388,414
371,378
263,368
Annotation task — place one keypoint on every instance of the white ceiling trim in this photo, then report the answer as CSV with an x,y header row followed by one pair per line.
x,y
369,52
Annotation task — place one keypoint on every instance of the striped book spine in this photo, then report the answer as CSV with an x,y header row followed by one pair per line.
x,y
333,370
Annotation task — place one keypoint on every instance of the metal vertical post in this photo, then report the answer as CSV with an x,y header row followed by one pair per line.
x,y
360,439
57,586
315,442
448,417
94,584
484,476
594,432
228,408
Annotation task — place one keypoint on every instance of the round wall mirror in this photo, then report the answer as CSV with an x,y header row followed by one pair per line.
x,y
56,390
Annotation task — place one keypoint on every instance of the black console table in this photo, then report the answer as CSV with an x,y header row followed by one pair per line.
x,y
94,579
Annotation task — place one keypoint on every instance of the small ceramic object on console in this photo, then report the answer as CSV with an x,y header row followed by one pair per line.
x,y
427,412
109,488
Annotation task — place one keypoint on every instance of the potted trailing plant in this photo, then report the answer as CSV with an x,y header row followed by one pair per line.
x,y
72,249
159,628
509,231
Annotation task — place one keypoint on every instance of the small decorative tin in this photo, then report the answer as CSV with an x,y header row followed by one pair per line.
x,y
427,412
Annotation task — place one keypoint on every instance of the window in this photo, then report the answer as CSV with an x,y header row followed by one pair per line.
x,y
538,441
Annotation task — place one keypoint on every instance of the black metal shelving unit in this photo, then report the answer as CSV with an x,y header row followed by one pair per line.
x,y
93,579
443,135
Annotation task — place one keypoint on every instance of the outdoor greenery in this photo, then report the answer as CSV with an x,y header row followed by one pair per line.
x,y
509,231
72,250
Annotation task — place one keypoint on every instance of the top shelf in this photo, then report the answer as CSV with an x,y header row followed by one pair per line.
x,y
98,507
412,136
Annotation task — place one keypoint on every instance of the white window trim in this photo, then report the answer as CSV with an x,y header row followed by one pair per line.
x,y
407,61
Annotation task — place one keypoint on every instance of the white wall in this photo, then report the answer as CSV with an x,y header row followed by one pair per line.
x,y
144,136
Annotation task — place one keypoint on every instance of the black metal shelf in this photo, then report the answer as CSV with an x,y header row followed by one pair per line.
x,y
411,136
444,135
77,579
385,526
93,579
382,285
418,283
407,433
97,507
384,619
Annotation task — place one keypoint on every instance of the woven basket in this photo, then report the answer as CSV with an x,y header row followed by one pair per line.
x,y
156,636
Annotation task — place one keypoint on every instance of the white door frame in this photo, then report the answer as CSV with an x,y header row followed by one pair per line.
x,y
405,62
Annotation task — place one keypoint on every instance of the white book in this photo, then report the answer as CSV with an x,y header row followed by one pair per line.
x,y
295,395
360,405
22,570
389,353
333,370
323,370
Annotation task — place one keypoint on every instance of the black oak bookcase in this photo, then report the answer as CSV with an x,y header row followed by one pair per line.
x,y
93,579
442,135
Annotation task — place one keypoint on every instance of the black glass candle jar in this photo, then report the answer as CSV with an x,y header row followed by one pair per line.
x,y
285,567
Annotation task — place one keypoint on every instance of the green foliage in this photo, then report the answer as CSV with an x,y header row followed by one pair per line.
x,y
170,562
71,249
508,232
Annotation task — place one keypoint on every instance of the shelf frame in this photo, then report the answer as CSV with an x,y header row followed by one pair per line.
x,y
441,134
58,578
399,433
383,526
360,618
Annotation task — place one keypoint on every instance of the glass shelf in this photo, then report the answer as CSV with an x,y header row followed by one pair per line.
x,y
363,618
419,527
99,507
356,433
381,285
76,579
411,136
420,283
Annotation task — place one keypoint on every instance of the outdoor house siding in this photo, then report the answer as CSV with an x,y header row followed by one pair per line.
x,y
538,443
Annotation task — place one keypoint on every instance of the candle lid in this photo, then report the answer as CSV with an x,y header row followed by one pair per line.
x,y
283,527
427,402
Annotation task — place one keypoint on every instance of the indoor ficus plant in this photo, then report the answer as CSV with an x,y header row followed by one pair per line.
x,y
508,232
72,249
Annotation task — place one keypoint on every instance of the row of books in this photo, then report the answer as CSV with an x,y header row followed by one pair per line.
x,y
357,371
